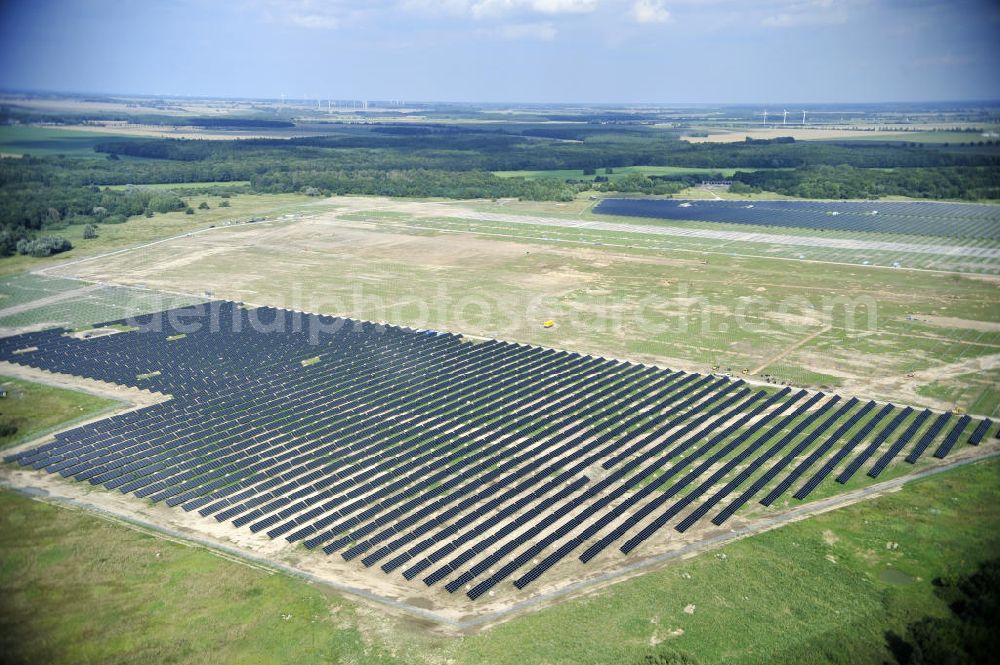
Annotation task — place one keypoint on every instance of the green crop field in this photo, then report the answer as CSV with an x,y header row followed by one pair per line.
x,y
45,141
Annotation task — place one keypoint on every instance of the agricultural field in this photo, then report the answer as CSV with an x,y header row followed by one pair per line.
x,y
798,132
48,141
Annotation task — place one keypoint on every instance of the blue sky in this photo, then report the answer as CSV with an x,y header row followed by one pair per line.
x,y
613,51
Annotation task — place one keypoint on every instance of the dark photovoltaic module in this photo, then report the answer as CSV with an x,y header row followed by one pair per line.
x,y
427,454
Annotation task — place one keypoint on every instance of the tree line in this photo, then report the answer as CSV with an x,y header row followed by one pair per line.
x,y
42,194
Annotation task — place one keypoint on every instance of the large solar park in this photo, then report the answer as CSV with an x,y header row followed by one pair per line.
x,y
921,218
457,466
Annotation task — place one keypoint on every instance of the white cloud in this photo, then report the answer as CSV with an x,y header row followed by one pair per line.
x,y
806,12
564,6
313,21
650,11
494,8
543,32
309,14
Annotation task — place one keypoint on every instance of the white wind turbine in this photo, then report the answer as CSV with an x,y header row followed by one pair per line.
x,y
784,117
803,118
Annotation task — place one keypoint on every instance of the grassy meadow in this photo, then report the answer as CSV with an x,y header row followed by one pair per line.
x,y
35,408
139,230
49,141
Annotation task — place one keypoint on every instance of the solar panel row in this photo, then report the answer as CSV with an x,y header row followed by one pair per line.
x,y
429,455
928,218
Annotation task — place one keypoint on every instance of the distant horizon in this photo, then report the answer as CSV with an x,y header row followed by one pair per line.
x,y
663,52
473,102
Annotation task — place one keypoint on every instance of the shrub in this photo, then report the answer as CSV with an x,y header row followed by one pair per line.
x,y
44,246
89,232
663,655
165,202
189,211
203,205
224,204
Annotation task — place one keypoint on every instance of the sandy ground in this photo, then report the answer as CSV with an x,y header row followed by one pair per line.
x,y
903,387
962,324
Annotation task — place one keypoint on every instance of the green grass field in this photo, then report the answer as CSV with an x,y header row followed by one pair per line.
x,y
79,589
139,230
35,408
47,141
21,289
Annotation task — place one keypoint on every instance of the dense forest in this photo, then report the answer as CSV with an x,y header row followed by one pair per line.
x,y
41,194
849,182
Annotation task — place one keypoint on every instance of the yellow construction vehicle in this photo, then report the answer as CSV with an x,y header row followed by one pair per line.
x,y
548,324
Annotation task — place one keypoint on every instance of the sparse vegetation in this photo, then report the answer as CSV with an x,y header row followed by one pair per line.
x,y
30,409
